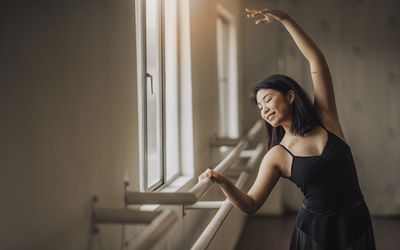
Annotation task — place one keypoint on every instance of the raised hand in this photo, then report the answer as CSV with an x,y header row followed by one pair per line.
x,y
267,15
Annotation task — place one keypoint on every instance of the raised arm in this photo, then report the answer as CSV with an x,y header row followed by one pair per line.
x,y
324,98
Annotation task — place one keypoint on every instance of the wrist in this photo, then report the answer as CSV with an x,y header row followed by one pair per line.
x,y
227,183
285,17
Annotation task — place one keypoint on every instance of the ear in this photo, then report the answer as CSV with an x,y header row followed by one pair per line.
x,y
290,96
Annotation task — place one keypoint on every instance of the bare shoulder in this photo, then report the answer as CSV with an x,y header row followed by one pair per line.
x,y
274,154
276,158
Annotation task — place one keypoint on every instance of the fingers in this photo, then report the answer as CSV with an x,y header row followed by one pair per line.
x,y
250,10
268,18
201,177
267,13
208,174
211,177
261,21
253,12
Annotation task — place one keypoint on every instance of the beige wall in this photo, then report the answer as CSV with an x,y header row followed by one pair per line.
x,y
69,127
68,122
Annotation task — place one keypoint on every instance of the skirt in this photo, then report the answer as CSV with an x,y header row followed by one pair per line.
x,y
345,229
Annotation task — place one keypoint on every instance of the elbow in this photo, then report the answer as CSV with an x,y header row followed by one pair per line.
x,y
318,54
318,62
318,57
250,212
252,209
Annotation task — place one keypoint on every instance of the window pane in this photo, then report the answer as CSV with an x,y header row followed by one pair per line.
x,y
171,87
153,95
223,75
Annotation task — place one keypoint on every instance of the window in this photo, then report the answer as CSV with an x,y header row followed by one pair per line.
x,y
153,96
171,88
227,74
159,35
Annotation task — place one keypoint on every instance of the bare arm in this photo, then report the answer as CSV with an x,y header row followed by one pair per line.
x,y
324,98
251,201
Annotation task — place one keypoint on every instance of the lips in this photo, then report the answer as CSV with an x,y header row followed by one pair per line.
x,y
269,116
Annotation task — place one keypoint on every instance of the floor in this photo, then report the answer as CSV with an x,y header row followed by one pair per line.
x,y
273,233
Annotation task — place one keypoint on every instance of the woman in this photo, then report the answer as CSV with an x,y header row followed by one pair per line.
x,y
307,146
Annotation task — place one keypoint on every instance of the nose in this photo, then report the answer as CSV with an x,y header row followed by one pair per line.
x,y
265,109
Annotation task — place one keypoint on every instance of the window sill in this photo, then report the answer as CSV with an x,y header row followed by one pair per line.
x,y
181,184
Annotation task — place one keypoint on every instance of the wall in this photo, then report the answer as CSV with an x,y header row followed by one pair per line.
x,y
69,127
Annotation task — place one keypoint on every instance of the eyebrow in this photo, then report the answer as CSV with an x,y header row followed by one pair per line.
x,y
263,97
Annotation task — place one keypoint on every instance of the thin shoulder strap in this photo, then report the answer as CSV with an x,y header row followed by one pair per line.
x,y
324,127
286,149
327,131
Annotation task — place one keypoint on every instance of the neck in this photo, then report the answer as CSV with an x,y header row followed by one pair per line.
x,y
286,126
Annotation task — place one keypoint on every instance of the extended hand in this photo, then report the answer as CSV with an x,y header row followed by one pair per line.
x,y
268,16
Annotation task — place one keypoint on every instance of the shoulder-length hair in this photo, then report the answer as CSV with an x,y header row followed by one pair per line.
x,y
304,117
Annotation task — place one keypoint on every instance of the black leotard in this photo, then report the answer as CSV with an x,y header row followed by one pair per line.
x,y
333,213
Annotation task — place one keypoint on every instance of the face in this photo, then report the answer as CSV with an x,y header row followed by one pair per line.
x,y
275,108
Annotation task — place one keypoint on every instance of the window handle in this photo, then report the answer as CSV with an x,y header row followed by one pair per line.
x,y
151,81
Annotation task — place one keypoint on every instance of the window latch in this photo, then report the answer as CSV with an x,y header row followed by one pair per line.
x,y
151,81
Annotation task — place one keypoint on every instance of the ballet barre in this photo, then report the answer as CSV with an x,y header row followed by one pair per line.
x,y
201,188
159,221
207,235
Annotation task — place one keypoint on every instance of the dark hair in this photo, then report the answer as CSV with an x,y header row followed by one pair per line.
x,y
304,117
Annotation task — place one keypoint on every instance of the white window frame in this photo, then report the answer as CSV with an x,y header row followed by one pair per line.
x,y
229,101
140,13
185,132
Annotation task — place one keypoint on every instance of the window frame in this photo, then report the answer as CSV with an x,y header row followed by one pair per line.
x,y
169,180
141,47
230,127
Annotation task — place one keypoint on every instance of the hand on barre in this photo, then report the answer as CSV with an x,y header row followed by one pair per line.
x,y
214,177
237,197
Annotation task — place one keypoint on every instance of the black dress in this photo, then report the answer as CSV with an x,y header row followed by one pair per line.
x,y
333,215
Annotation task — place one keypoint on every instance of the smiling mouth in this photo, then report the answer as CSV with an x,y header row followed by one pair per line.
x,y
270,115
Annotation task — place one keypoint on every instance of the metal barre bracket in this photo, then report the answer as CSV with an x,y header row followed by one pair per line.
x,y
93,226
158,222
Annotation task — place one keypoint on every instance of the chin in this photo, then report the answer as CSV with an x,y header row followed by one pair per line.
x,y
275,125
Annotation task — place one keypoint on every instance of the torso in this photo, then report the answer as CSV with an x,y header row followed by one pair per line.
x,y
311,144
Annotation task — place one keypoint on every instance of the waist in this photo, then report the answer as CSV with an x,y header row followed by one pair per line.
x,y
315,210
332,198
